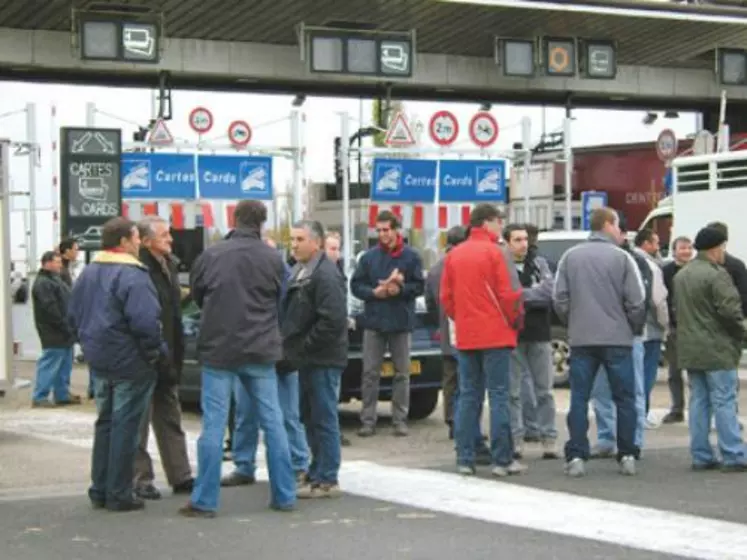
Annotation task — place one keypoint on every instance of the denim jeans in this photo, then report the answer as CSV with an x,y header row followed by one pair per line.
x,y
53,369
714,393
478,425
121,407
651,357
604,407
260,382
584,364
246,427
480,370
320,388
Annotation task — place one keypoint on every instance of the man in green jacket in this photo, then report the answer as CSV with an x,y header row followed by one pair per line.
x,y
709,345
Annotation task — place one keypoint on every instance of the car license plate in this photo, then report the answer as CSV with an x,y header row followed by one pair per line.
x,y
387,369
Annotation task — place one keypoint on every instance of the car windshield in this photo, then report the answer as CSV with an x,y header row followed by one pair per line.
x,y
553,249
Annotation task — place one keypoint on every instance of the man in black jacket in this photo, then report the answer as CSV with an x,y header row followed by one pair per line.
x,y
734,266
50,296
315,341
165,411
68,249
682,249
237,284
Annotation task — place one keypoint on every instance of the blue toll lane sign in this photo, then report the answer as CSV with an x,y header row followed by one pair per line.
x,y
235,177
590,201
404,180
158,176
186,176
414,180
472,181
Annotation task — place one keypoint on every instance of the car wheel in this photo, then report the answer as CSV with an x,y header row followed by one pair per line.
x,y
423,403
561,354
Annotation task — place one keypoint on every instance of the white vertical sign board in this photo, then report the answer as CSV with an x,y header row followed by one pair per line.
x,y
6,328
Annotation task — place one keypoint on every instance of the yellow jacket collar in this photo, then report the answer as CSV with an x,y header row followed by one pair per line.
x,y
110,257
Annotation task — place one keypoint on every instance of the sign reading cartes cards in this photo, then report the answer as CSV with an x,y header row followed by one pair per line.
x,y
90,167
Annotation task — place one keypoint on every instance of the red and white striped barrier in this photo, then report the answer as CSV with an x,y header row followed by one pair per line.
x,y
421,216
181,215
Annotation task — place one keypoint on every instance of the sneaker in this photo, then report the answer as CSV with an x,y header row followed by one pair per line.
x,y
400,430
549,450
147,492
602,452
191,511
627,465
344,441
575,468
315,491
514,468
466,470
237,479
366,431
673,418
518,451
652,422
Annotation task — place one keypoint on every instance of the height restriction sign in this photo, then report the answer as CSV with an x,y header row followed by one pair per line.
x,y
443,128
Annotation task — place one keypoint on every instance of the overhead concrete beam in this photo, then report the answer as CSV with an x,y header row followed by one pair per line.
x,y
224,64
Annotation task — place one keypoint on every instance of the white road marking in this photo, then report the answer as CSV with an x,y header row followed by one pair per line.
x,y
484,500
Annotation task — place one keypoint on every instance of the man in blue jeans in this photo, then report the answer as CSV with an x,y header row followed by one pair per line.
x,y
710,335
50,296
237,284
115,313
315,340
600,295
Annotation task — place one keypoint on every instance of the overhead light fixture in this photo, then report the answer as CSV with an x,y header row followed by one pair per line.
x,y
650,118
671,115
298,101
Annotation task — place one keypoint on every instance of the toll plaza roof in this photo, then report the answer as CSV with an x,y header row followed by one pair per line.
x,y
646,33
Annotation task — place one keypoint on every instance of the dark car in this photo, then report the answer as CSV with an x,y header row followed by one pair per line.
x,y
425,365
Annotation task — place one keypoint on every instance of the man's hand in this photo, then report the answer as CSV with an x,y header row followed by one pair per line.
x,y
381,291
393,289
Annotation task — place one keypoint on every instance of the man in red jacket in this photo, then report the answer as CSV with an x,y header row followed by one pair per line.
x,y
483,300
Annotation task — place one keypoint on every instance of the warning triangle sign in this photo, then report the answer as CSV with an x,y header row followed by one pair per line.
x,y
160,134
399,133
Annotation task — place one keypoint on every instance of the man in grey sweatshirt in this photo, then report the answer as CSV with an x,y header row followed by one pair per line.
x,y
599,294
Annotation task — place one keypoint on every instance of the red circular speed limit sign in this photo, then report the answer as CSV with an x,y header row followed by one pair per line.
x,y
483,129
201,120
443,128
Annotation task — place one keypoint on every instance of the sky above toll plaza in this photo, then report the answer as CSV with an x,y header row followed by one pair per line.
x,y
127,108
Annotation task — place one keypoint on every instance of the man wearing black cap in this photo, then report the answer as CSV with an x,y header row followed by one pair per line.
x,y
710,333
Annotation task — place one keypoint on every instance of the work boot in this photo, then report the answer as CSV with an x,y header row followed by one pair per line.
x,y
366,431
673,418
185,487
191,511
147,492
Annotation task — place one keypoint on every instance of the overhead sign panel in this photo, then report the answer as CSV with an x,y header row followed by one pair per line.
x,y
158,176
560,57
414,180
517,57
119,40
600,60
90,162
361,53
235,177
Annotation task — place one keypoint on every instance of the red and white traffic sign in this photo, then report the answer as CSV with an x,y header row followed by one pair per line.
x,y
399,133
201,120
160,135
483,129
239,133
443,128
666,145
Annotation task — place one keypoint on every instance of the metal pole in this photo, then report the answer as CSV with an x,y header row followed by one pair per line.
x,y
6,322
54,162
31,138
347,237
526,138
436,205
296,146
90,114
568,171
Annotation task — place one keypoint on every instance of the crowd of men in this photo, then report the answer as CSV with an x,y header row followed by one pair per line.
x,y
273,343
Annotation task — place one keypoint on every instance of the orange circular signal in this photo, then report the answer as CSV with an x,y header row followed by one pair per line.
x,y
559,59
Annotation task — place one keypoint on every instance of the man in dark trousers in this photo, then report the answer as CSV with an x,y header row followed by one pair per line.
x,y
682,249
115,313
388,279
315,341
50,296
165,412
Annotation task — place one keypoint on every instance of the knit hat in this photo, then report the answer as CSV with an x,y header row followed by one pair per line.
x,y
708,238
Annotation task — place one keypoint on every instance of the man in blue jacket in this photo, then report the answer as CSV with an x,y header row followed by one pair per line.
x,y
114,312
388,279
